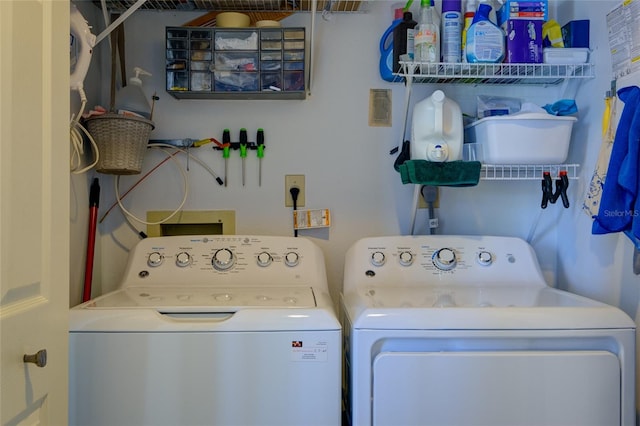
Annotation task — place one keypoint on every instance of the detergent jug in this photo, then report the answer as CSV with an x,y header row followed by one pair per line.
x,y
436,130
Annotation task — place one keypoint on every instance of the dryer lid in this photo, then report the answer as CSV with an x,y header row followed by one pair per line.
x,y
479,308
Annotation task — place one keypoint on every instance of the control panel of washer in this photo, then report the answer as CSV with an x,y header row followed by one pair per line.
x,y
270,260
454,259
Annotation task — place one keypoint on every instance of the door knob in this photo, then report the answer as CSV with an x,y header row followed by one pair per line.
x,y
39,358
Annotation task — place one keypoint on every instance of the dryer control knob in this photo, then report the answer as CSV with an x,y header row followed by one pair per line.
x,y
484,258
264,259
377,258
445,259
183,259
406,258
292,258
223,259
155,259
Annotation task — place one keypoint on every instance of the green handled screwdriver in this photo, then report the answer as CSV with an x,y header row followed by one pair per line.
x,y
226,145
260,146
243,151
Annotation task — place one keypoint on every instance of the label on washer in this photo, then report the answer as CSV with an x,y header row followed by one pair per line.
x,y
302,351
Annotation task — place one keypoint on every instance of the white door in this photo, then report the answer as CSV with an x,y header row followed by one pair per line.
x,y
34,210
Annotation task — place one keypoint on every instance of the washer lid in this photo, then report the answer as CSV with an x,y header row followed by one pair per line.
x,y
205,299
479,308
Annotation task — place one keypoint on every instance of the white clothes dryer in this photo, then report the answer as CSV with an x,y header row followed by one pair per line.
x,y
210,330
463,330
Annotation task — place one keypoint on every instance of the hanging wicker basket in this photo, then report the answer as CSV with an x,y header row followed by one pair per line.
x,y
122,142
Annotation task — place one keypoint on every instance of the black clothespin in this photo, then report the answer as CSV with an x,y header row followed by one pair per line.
x,y
547,190
562,183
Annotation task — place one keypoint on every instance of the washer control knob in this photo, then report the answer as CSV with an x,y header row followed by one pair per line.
x,y
264,259
406,258
377,258
485,258
155,259
445,259
223,259
183,259
291,259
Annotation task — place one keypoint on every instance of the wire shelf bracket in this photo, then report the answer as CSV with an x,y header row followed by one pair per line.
x,y
526,171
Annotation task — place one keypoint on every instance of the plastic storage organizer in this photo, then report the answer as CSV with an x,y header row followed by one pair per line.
x,y
523,138
245,63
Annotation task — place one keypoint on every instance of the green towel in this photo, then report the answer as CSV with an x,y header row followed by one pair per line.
x,y
450,173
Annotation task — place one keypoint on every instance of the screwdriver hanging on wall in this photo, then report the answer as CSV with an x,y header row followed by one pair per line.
x,y
226,146
243,152
260,153
243,146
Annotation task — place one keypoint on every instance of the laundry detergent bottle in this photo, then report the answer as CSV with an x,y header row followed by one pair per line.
x,y
437,132
131,98
387,62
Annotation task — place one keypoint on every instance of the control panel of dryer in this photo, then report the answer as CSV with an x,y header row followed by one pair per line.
x,y
440,259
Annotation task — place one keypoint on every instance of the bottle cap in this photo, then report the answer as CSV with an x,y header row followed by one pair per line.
x,y
451,5
483,13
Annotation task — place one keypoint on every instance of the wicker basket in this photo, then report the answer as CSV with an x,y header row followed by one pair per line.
x,y
122,142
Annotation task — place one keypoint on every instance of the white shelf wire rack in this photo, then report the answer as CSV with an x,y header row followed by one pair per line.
x,y
333,6
526,171
476,73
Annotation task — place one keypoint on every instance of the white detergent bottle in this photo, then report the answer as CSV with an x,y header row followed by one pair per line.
x,y
131,98
436,130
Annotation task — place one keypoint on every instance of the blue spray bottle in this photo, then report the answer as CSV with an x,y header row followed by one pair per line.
x,y
485,40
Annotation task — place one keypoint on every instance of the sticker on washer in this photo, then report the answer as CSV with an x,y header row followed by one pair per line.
x,y
317,352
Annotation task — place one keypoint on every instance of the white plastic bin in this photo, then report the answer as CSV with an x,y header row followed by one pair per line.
x,y
526,138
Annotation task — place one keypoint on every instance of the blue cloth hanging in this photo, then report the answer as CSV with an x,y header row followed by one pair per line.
x,y
619,204
562,107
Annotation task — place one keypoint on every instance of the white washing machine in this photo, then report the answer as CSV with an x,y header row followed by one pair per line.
x,y
210,330
462,330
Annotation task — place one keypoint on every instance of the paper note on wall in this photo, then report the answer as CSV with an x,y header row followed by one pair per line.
x,y
624,38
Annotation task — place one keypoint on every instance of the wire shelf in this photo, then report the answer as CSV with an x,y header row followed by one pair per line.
x,y
526,171
332,6
466,73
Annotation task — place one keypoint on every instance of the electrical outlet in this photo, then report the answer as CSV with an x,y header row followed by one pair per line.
x,y
291,181
422,204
